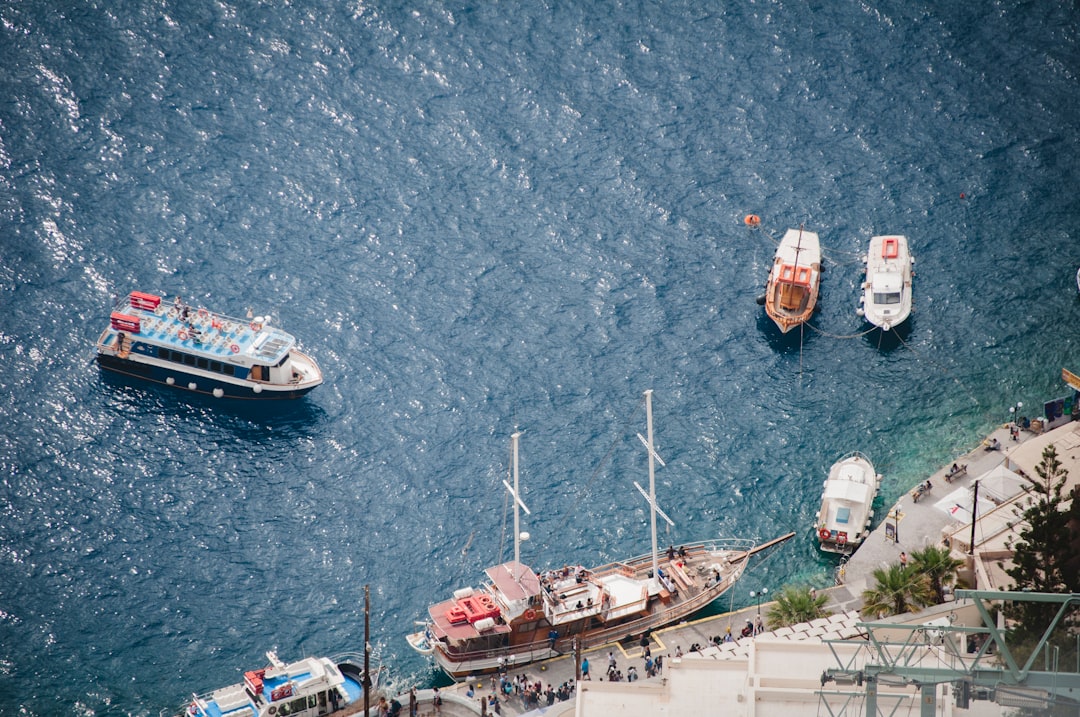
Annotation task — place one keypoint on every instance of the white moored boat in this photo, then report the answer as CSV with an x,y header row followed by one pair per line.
x,y
519,615
791,292
843,521
202,351
305,688
886,298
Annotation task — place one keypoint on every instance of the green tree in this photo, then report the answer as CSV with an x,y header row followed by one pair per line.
x,y
898,590
1044,558
795,604
939,567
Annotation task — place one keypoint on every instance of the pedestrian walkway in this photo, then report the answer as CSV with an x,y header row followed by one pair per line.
x,y
912,524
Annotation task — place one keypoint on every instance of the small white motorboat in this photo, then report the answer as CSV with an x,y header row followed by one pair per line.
x,y
886,299
843,521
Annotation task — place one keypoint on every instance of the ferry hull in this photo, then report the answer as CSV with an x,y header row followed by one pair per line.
x,y
204,384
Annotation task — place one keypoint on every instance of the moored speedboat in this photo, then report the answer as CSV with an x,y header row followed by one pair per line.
x,y
886,298
197,350
843,521
308,687
791,292
519,616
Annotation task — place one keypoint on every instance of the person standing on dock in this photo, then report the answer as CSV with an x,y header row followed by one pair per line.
x,y
585,669
903,559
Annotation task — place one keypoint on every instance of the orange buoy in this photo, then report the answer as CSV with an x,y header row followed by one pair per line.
x,y
752,220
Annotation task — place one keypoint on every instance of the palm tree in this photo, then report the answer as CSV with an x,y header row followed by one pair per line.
x,y
939,567
898,590
797,604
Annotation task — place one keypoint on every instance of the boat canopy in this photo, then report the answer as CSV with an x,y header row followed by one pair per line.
x,y
847,490
515,581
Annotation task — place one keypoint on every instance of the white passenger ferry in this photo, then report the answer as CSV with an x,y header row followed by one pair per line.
x,y
203,351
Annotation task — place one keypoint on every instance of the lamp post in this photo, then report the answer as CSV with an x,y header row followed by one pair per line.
x,y
759,594
1014,411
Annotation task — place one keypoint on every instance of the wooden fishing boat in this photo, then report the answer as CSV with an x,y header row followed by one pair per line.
x,y
791,292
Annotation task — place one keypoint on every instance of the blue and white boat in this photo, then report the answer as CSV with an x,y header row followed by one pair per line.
x,y
202,351
312,686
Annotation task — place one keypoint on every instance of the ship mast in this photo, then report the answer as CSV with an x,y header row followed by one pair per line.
x,y
652,482
654,509
517,500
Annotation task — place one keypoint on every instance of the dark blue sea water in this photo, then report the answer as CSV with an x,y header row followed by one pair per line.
x,y
477,217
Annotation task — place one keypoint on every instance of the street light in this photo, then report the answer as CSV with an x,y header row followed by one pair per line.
x,y
760,594
1014,411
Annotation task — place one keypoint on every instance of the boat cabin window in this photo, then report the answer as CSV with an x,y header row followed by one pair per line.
x,y
298,705
843,515
887,298
189,360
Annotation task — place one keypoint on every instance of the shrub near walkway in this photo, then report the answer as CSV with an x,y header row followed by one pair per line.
x,y
796,604
899,589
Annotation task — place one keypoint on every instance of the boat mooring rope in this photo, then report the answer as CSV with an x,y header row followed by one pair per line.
x,y
823,332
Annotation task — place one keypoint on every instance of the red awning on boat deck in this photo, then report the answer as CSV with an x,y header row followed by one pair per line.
x,y
441,627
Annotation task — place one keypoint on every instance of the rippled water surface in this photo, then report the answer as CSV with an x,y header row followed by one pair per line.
x,y
482,217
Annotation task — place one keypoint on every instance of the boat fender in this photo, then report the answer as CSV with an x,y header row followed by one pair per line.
x,y
273,709
824,534
760,300
192,385
257,389
170,380
219,392
752,220
530,615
